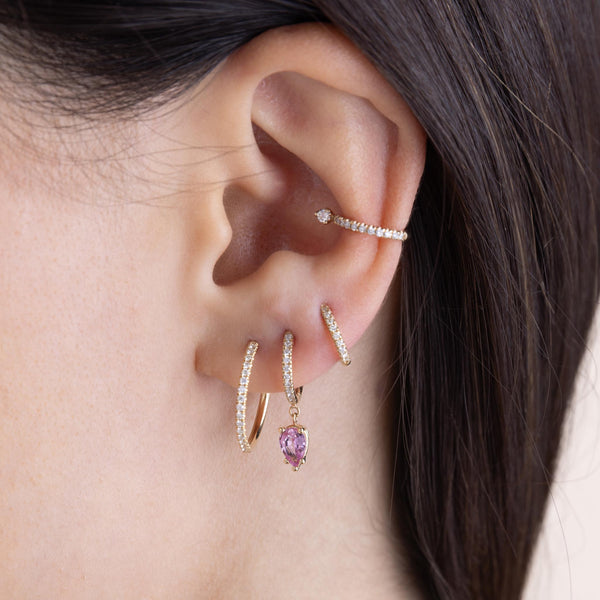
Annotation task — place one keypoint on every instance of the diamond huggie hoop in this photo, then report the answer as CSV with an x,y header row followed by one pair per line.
x,y
336,336
325,216
293,439
244,441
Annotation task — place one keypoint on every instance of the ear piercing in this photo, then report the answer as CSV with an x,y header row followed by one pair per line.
x,y
293,439
242,397
325,216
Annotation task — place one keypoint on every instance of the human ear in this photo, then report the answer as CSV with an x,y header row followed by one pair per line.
x,y
315,125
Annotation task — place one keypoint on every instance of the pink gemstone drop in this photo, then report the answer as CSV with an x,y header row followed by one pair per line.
x,y
293,444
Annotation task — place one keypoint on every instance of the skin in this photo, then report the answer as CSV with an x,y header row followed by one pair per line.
x,y
137,259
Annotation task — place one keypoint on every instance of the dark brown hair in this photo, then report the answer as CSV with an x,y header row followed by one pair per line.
x,y
500,280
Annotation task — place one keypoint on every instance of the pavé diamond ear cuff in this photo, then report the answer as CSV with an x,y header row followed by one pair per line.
x,y
293,439
244,441
326,216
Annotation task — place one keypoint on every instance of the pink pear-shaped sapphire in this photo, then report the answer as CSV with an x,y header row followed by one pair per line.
x,y
293,441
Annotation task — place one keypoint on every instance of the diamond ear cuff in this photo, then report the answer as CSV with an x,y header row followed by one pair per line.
x,y
326,216
245,441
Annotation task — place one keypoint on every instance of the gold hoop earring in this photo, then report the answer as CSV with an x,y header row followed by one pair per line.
x,y
244,441
293,439
336,335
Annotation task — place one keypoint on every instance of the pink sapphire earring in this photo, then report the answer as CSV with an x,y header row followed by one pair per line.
x,y
326,216
293,439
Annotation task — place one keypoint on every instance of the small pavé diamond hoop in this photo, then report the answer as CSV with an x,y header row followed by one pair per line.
x,y
244,441
326,216
293,439
292,394
336,336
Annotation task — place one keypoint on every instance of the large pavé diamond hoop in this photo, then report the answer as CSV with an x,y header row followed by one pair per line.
x,y
246,441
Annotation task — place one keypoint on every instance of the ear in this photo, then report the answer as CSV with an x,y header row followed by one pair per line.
x,y
310,123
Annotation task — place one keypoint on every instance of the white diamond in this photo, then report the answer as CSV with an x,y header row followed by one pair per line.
x,y
371,230
323,216
354,226
362,228
379,231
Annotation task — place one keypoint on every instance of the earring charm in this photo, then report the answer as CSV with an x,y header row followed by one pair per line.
x,y
326,216
336,335
245,441
293,439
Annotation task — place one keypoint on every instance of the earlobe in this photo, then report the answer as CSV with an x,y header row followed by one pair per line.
x,y
332,134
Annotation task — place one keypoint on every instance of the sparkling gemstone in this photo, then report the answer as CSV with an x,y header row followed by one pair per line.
x,y
293,442
323,216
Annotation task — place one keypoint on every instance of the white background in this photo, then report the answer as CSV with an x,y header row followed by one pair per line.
x,y
566,564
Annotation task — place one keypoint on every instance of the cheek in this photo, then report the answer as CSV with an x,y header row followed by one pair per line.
x,y
99,412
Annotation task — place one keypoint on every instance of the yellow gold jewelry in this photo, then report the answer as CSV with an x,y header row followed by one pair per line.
x,y
325,216
242,397
336,336
293,439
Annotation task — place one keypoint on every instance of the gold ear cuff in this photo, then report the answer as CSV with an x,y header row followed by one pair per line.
x,y
326,216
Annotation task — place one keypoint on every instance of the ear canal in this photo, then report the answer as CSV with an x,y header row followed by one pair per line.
x,y
283,221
